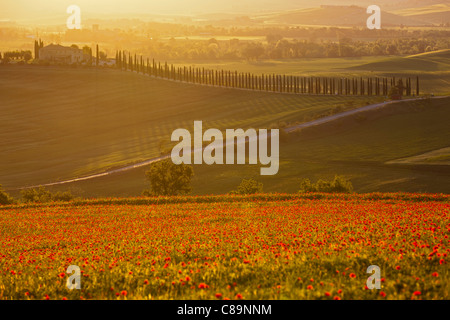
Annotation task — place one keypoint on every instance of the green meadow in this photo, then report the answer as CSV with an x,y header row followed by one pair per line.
x,y
62,123
359,147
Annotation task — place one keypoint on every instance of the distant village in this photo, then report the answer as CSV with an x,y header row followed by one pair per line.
x,y
56,54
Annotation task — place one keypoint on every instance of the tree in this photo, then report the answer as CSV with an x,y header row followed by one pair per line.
x,y
27,55
168,179
5,198
273,38
400,87
253,51
42,195
88,52
338,185
36,50
391,49
248,186
97,57
393,92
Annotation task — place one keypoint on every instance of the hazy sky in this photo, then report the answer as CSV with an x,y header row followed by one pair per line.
x,y
45,9
24,9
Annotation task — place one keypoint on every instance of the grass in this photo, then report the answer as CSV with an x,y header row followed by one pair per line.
x,y
310,247
439,156
437,61
83,121
60,123
437,8
359,147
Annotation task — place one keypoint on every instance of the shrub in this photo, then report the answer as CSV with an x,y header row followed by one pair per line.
x,y
169,179
338,185
393,92
65,196
5,198
42,195
248,186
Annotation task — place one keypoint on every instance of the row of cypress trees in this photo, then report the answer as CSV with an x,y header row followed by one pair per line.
x,y
272,82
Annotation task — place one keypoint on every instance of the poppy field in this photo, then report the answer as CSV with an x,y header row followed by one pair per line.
x,y
313,246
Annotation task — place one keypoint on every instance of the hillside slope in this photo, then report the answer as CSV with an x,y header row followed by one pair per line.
x,y
62,123
338,15
428,62
359,147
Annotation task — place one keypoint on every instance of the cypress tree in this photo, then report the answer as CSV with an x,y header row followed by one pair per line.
x,y
97,56
36,50
417,86
131,62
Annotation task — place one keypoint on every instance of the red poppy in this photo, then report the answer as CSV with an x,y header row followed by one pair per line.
x,y
203,286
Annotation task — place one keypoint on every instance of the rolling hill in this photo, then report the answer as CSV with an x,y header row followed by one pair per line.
x,y
428,62
86,121
359,147
352,15
61,123
436,14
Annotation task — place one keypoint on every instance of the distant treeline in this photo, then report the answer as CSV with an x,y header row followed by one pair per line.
x,y
277,47
173,42
169,41
16,55
271,82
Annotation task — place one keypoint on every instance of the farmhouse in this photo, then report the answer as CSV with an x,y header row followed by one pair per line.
x,y
61,54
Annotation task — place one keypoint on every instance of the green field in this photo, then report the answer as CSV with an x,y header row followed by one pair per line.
x,y
358,147
64,123
61,123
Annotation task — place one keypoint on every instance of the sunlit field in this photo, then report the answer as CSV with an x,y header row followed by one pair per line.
x,y
195,152
313,246
66,122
